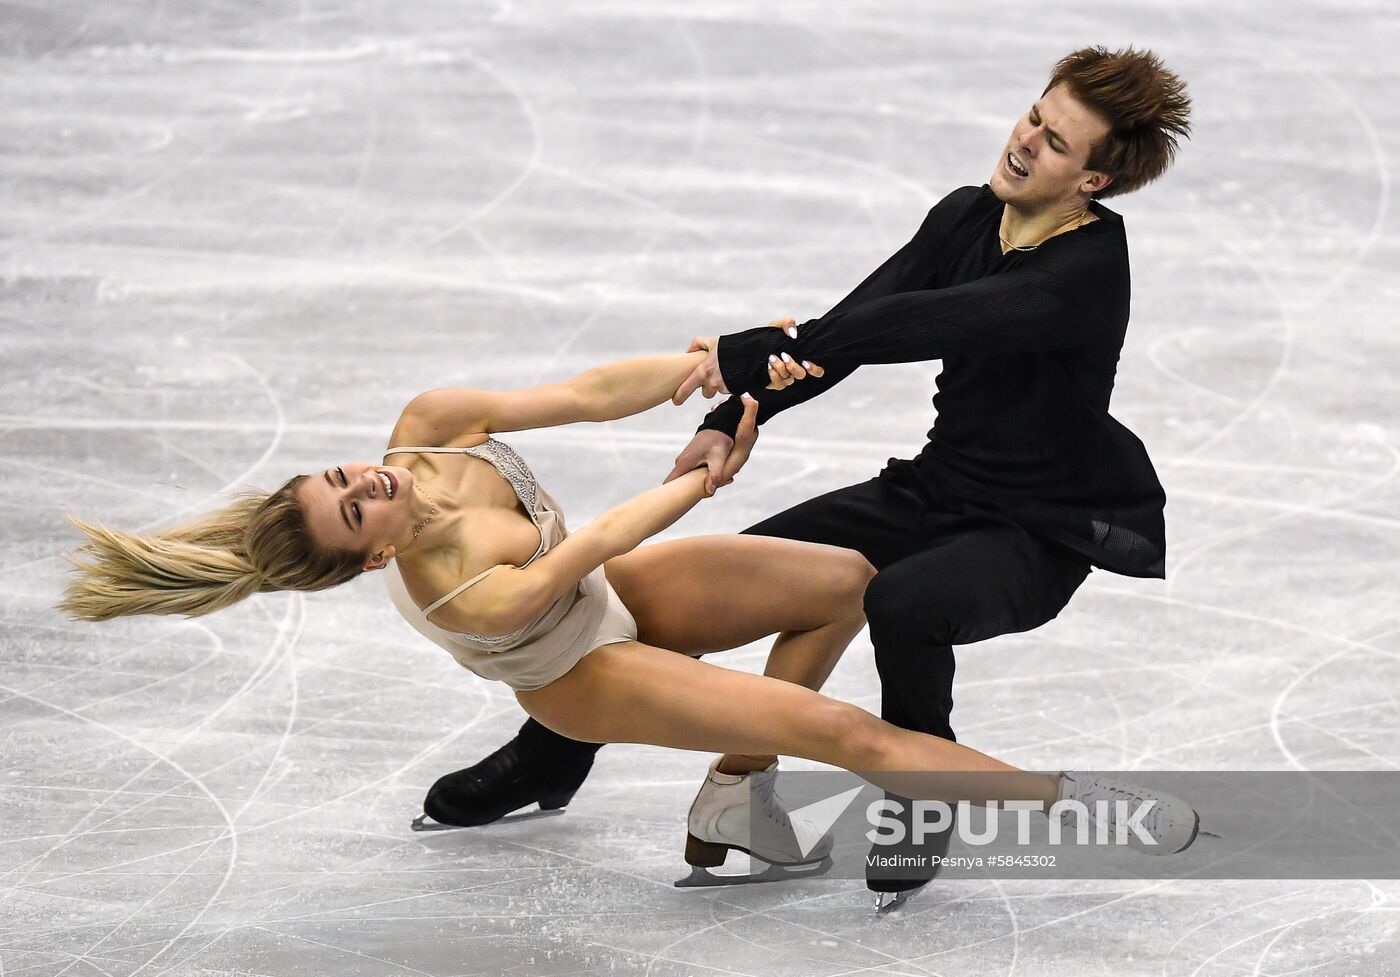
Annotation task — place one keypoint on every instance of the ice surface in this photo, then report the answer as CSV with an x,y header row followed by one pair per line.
x,y
236,238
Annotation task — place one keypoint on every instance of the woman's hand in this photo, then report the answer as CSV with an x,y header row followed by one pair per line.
x,y
783,370
706,377
718,453
744,439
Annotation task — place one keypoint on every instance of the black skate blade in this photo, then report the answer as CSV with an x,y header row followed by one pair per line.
x,y
703,878
424,823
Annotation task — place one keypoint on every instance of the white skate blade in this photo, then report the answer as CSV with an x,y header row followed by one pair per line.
x,y
703,878
889,902
424,823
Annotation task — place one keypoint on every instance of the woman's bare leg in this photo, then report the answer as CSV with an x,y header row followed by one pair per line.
x,y
711,593
634,693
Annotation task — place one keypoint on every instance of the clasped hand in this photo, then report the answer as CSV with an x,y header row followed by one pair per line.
x,y
722,455
783,370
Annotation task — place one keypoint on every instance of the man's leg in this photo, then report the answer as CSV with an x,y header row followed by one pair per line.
x,y
878,518
971,583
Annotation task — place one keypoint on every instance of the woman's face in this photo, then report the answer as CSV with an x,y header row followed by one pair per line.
x,y
359,507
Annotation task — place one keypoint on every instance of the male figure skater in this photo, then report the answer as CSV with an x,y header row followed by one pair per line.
x,y
1021,288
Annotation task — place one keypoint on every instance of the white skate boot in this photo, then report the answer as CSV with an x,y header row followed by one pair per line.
x,y
719,822
1169,825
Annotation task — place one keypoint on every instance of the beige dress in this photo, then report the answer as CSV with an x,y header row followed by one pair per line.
x,y
589,616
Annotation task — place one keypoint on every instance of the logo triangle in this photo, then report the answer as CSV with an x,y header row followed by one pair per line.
x,y
811,822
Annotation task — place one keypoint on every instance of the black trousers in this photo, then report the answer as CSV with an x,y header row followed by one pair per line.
x,y
945,577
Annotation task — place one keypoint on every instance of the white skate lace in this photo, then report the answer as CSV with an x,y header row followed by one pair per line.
x,y
764,786
1096,790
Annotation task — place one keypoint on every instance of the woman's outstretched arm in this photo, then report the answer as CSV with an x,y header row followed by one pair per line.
x,y
512,597
603,393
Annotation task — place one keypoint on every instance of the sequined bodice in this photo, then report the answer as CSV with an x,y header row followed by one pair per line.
x,y
547,647
512,467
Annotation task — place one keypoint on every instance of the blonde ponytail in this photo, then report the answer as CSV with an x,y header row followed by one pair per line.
x,y
259,543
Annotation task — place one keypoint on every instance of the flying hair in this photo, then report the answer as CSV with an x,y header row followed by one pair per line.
x,y
257,544
1145,105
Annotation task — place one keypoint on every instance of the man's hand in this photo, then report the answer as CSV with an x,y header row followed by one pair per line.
x,y
718,452
704,377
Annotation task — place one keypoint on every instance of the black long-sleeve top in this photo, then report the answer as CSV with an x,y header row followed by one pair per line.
x,y
1029,342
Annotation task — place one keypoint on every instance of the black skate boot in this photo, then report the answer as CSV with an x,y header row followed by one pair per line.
x,y
911,866
537,766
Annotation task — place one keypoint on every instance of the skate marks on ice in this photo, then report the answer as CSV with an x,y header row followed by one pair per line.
x,y
217,221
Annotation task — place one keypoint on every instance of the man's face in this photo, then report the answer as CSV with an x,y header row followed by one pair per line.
x,y
1051,142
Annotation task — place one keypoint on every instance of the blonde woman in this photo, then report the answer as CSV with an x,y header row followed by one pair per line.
x,y
596,636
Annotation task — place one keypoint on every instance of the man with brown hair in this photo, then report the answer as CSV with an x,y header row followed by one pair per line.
x,y
1021,288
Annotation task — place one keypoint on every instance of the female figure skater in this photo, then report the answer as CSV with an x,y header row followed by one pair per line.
x,y
584,626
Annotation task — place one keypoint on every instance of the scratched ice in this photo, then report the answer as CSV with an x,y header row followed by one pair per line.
x,y
237,237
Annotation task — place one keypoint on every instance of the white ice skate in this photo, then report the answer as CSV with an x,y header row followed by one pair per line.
x,y
1170,823
719,822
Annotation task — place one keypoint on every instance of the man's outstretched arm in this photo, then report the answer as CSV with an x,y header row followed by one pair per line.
x,y
1077,300
907,268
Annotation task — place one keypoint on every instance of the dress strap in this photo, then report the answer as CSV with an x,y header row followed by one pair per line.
x,y
452,595
429,450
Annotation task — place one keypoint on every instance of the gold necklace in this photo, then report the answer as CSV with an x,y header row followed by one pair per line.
x,y
1083,218
432,512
